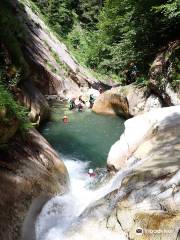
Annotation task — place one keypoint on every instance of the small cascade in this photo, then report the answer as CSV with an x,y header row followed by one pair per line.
x,y
62,213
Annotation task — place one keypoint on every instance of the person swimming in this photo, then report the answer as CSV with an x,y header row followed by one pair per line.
x,y
91,173
65,119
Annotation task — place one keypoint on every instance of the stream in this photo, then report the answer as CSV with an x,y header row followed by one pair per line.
x,y
83,143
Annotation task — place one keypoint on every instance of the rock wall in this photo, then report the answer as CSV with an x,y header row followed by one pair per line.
x,y
30,96
149,198
30,173
50,66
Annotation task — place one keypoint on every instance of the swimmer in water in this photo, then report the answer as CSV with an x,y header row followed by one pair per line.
x,y
65,119
91,173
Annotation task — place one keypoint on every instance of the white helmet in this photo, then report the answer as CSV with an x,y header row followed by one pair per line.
x,y
91,170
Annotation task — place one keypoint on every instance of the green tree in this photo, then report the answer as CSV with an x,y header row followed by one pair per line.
x,y
130,30
58,13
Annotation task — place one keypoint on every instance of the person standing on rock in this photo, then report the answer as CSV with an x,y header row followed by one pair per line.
x,y
131,73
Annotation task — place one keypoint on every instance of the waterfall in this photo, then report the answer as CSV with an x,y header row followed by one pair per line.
x,y
62,213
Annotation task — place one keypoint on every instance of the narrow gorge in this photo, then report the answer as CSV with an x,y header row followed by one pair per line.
x,y
130,139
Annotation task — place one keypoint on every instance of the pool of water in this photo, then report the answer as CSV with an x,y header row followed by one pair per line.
x,y
86,137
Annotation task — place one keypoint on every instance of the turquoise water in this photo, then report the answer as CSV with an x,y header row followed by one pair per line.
x,y
86,137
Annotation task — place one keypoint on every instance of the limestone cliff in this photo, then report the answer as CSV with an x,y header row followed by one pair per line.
x,y
30,173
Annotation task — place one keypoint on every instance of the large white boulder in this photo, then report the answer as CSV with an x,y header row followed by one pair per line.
x,y
140,129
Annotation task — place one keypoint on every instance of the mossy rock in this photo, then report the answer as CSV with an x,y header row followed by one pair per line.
x,y
8,130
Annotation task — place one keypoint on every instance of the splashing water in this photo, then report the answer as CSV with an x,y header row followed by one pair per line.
x,y
63,213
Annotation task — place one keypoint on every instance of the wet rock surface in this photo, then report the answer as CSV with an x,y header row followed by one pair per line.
x,y
29,170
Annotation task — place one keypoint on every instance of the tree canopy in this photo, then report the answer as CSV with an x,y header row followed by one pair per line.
x,y
108,34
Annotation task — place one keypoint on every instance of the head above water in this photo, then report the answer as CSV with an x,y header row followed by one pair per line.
x,y
90,170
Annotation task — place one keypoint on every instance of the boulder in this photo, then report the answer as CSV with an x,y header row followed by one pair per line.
x,y
142,136
30,173
150,147
126,101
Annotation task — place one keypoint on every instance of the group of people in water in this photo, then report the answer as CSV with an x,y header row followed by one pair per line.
x,y
80,103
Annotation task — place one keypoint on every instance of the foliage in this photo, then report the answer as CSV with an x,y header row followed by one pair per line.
x,y
58,14
14,110
12,32
133,31
106,35
175,68
88,11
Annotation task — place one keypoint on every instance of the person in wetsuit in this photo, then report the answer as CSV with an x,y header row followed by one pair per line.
x,y
91,100
72,104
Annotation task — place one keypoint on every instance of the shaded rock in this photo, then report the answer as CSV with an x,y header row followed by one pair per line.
x,y
30,173
150,201
33,99
127,101
8,129
162,81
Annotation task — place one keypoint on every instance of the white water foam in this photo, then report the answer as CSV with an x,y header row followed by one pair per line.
x,y
62,213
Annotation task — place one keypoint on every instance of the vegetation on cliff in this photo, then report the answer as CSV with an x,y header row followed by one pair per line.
x,y
107,35
9,108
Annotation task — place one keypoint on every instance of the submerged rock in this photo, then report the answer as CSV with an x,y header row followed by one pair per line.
x,y
30,173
